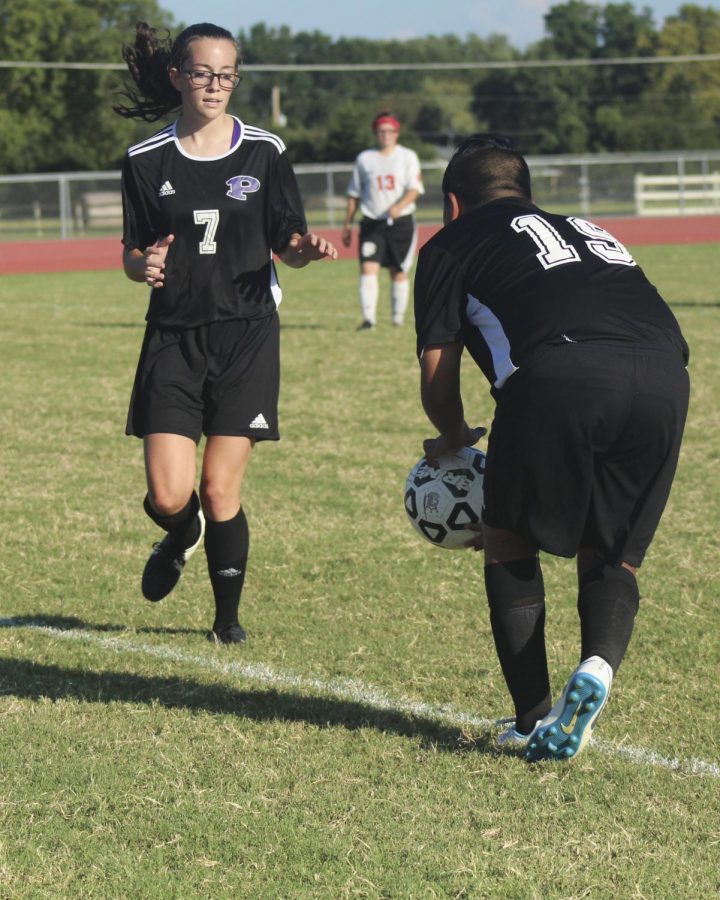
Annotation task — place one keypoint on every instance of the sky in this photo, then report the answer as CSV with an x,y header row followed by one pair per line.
x,y
520,20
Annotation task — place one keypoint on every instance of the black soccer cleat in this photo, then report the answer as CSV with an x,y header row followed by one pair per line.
x,y
228,634
165,565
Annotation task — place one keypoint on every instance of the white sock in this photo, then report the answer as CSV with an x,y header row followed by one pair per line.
x,y
369,297
399,294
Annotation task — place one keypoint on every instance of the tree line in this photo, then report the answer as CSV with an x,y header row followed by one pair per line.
x,y
62,119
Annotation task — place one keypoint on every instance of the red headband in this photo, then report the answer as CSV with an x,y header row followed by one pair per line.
x,y
386,120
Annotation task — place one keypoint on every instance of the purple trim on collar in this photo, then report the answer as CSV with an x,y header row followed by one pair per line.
x,y
236,133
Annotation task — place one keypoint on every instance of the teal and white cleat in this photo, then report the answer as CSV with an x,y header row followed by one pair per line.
x,y
511,738
567,728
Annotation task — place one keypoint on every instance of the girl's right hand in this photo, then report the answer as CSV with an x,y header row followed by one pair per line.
x,y
155,261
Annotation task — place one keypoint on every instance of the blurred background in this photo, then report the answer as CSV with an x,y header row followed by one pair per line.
x,y
617,107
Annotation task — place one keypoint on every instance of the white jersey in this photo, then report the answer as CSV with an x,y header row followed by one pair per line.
x,y
379,180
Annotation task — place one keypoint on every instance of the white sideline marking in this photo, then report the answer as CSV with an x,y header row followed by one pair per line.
x,y
350,689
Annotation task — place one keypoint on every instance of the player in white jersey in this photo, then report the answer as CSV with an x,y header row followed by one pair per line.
x,y
207,202
385,183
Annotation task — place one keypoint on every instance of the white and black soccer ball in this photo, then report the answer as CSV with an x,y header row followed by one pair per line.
x,y
441,501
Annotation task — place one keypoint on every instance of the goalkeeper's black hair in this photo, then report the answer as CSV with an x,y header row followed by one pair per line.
x,y
484,167
148,59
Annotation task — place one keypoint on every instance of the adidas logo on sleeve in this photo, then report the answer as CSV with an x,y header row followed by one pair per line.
x,y
259,422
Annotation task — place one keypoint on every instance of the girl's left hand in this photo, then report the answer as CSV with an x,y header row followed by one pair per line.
x,y
308,247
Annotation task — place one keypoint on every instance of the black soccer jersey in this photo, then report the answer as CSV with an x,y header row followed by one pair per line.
x,y
227,214
508,279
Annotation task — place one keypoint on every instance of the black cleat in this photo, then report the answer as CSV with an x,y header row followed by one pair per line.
x,y
228,634
365,325
165,564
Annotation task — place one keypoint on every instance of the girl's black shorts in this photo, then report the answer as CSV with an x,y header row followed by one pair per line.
x,y
393,246
584,446
222,378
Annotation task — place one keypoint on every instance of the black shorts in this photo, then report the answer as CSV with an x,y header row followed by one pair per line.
x,y
221,378
584,446
393,246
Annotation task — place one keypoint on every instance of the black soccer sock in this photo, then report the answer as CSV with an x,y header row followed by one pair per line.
x,y
516,596
608,601
226,547
184,525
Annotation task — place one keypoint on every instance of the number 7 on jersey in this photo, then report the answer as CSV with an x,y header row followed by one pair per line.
x,y
210,219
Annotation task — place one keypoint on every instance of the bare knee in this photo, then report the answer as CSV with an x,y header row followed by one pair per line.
x,y
166,500
220,501
589,559
170,471
503,546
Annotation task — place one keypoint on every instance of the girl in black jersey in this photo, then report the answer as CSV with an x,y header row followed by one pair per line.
x,y
207,202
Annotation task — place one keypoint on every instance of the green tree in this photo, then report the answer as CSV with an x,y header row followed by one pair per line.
x,y
573,28
546,109
319,107
63,119
60,119
618,90
685,99
609,108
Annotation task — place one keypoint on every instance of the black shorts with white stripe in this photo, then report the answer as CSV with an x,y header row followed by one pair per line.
x,y
392,244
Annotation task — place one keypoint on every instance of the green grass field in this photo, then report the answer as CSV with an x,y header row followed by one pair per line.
x,y
348,749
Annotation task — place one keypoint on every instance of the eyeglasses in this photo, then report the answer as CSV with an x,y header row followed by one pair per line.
x,y
228,81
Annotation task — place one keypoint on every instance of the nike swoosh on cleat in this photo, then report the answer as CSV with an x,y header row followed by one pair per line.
x,y
568,729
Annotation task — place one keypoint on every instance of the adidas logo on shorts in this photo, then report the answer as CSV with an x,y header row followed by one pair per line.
x,y
166,190
259,422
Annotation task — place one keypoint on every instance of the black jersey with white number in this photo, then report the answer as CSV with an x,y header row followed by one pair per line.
x,y
508,279
227,213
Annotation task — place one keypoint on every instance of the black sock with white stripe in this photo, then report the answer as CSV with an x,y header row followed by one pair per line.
x,y
226,547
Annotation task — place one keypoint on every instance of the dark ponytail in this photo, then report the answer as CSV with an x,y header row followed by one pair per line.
x,y
148,60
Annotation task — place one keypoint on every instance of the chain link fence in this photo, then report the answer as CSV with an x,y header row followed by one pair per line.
x,y
85,204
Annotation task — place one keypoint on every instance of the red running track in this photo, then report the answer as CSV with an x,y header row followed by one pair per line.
x,y
89,254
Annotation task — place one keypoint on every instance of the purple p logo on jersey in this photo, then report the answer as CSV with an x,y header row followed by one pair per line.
x,y
242,185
